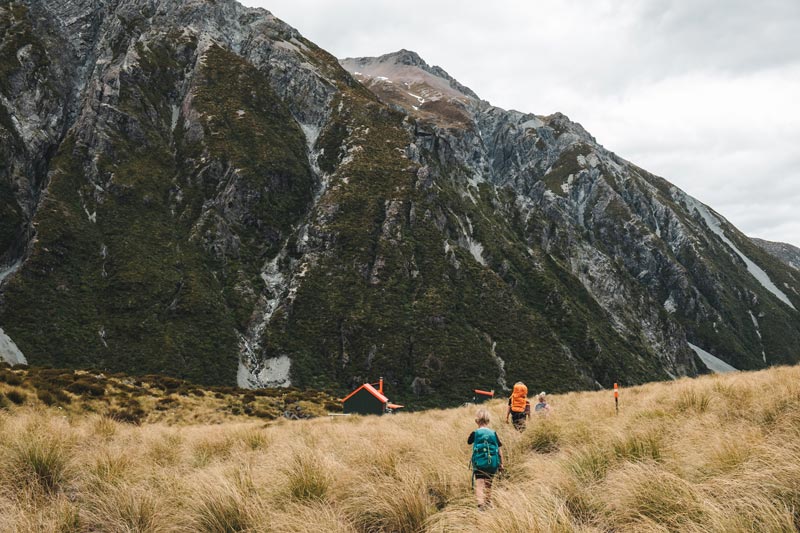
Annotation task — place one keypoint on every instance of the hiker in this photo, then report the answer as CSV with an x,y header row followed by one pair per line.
x,y
519,407
542,407
487,458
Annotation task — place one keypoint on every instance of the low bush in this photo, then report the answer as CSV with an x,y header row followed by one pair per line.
x,y
127,415
166,403
10,377
46,397
16,397
85,387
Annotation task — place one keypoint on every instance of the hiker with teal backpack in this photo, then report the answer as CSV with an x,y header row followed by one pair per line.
x,y
487,458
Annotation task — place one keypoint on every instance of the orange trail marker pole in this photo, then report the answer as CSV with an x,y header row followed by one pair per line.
x,y
616,397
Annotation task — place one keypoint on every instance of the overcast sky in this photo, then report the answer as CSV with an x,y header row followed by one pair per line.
x,y
702,92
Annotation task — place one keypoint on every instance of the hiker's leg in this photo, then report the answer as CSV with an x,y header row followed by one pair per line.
x,y
488,491
480,483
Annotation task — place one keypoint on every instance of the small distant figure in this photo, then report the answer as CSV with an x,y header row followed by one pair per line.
x,y
519,407
487,458
542,407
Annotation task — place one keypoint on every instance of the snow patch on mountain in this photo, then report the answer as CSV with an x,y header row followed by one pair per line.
x,y
468,242
9,352
715,225
501,366
715,364
758,332
10,269
176,111
275,373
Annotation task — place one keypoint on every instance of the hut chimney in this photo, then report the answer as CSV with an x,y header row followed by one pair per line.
x,y
380,385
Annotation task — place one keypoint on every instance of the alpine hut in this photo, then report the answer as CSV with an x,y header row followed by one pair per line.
x,y
367,400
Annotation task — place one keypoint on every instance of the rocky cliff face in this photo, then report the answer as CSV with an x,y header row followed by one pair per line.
x,y
195,189
785,252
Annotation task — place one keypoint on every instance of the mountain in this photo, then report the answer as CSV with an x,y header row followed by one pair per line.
x,y
785,252
195,189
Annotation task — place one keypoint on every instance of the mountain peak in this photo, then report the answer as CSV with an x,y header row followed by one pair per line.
x,y
405,57
407,67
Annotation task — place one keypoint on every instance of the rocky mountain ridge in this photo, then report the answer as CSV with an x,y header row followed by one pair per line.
x,y
193,188
785,252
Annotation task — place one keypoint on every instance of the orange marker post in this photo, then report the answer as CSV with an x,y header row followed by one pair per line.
x,y
616,397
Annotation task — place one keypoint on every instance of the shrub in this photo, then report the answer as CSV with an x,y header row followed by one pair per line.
x,y
268,415
164,404
332,406
128,415
62,397
84,387
16,397
10,377
46,397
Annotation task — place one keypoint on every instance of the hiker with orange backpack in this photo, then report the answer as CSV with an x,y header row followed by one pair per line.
x,y
487,458
519,407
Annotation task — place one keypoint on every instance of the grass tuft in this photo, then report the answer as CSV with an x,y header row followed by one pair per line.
x,y
40,460
308,477
219,508
543,437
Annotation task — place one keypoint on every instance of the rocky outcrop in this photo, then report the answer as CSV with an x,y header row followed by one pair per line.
x,y
785,252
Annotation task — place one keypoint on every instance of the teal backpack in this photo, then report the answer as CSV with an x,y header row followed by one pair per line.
x,y
485,451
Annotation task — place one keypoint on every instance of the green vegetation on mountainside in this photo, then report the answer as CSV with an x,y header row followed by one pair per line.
x,y
398,296
135,290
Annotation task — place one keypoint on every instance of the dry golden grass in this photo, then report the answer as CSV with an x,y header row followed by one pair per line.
x,y
715,454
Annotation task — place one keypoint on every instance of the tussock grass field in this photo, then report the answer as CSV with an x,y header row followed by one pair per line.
x,y
717,453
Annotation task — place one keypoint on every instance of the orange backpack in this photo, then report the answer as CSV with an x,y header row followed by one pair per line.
x,y
519,397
